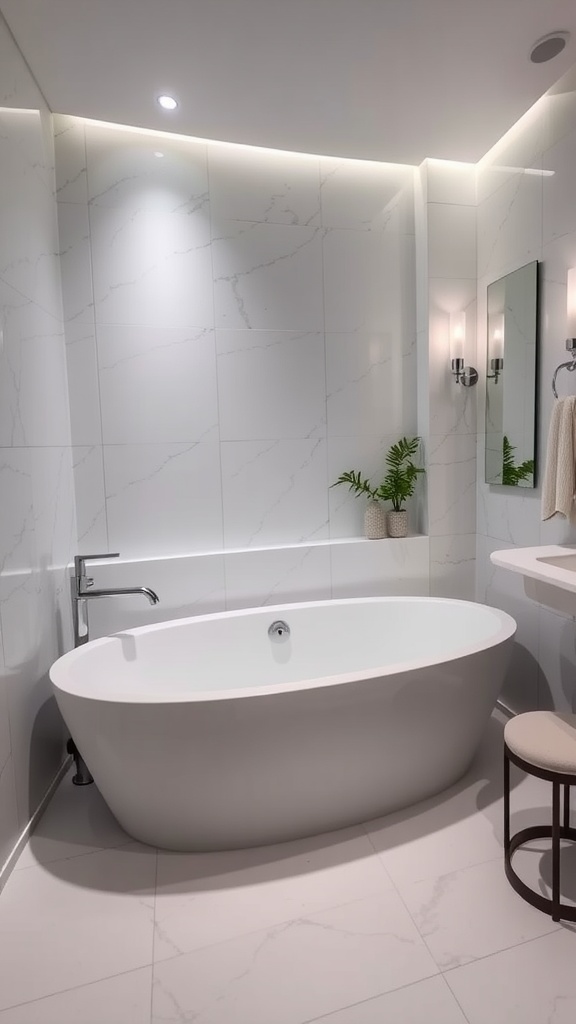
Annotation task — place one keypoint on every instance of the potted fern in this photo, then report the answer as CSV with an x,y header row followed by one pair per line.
x,y
397,486
399,483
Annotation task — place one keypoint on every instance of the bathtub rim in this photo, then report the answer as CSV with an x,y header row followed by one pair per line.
x,y
63,680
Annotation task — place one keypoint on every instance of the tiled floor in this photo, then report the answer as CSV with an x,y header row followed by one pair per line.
x,y
406,920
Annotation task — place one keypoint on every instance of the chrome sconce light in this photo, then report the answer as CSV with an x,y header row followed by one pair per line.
x,y
496,346
465,375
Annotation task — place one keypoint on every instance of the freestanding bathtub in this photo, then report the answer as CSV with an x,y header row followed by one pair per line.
x,y
207,734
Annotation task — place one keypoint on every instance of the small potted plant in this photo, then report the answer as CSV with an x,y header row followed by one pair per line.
x,y
375,514
399,483
397,486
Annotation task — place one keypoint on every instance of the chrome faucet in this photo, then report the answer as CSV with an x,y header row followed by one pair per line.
x,y
81,594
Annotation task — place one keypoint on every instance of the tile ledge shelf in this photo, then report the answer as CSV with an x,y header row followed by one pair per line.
x,y
301,545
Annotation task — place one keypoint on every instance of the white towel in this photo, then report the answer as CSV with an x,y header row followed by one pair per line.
x,y
560,472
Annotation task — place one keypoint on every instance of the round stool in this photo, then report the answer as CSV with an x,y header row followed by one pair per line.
x,y
541,743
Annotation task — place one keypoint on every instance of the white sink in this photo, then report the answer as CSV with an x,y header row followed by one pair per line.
x,y
549,573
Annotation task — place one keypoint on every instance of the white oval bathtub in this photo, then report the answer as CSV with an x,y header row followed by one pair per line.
x,y
205,734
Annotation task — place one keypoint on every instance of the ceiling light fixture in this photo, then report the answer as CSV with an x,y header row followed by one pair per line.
x,y
167,102
548,47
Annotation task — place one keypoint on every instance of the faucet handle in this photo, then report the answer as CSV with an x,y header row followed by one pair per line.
x,y
80,560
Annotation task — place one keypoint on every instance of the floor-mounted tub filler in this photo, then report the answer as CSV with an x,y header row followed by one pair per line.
x,y
253,727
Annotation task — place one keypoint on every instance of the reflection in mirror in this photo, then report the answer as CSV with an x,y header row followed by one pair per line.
x,y
511,379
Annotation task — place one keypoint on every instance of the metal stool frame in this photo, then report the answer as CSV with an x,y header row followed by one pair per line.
x,y
554,907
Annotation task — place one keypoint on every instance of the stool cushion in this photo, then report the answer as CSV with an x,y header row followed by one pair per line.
x,y
546,739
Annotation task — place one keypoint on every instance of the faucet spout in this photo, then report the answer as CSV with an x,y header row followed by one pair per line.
x,y
82,592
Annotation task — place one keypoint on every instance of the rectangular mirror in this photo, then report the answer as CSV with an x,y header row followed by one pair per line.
x,y
511,378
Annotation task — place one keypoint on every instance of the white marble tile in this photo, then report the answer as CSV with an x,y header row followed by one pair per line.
x,y
262,185
274,492
490,990
357,193
449,181
124,999
125,171
76,262
277,575
8,809
271,384
17,524
508,515
451,479
442,834
70,152
90,497
469,914
364,384
361,274
371,568
157,385
76,822
452,566
267,276
83,388
101,904
297,970
430,1001
168,492
204,899
559,218
365,454
151,267
451,240
34,407
185,586
510,225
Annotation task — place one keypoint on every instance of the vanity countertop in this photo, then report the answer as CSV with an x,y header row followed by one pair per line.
x,y
551,564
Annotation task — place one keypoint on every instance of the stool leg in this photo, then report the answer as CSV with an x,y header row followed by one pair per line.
x,y
566,806
506,803
555,851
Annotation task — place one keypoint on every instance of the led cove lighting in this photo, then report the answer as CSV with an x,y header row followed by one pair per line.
x,y
167,102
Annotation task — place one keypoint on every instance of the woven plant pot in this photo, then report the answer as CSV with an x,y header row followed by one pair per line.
x,y
374,521
397,523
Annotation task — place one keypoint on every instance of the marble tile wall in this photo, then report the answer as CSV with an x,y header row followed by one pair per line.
x,y
240,329
446,276
37,525
526,211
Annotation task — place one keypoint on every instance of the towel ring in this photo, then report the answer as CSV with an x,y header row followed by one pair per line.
x,y
571,366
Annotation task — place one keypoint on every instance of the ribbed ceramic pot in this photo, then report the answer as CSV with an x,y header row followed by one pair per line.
x,y
374,521
397,523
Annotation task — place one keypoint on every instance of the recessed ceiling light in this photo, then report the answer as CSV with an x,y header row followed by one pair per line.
x,y
158,154
548,47
167,102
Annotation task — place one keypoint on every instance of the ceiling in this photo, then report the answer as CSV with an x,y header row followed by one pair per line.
x,y
395,80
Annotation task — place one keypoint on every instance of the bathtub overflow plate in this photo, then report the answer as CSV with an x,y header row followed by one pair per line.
x,y
279,631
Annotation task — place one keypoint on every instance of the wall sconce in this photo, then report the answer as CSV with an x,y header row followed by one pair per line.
x,y
496,346
465,375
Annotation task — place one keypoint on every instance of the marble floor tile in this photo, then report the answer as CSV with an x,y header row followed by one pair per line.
x,y
470,914
534,983
425,1002
442,834
77,921
297,970
124,999
76,821
209,898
